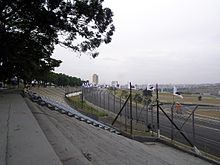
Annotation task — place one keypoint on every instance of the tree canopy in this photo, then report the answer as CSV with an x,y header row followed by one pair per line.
x,y
148,94
60,79
138,98
29,30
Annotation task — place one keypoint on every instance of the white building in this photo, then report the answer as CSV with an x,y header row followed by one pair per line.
x,y
95,79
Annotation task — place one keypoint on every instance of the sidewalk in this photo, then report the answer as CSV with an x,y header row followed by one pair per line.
x,y
21,139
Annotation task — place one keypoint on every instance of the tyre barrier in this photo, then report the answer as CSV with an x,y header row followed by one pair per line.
x,y
54,105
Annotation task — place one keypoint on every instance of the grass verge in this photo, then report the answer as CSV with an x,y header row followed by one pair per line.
x,y
76,102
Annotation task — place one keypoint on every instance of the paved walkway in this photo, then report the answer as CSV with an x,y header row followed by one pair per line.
x,y
22,140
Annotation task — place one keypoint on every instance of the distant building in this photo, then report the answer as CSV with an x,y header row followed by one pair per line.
x,y
95,79
115,84
207,94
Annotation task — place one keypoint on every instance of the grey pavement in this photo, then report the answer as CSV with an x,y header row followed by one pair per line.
x,y
21,139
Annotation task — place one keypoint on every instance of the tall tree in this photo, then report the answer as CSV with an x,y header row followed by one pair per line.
x,y
29,30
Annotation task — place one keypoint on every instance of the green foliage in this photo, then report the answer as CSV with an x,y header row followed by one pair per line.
x,y
99,113
147,93
29,30
124,93
111,88
138,98
63,80
76,101
102,113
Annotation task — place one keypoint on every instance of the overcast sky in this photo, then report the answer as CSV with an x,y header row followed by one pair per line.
x,y
156,41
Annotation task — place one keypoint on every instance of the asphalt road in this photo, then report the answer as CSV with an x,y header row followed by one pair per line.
x,y
207,136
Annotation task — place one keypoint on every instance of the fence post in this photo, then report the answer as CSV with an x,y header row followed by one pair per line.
x,y
131,124
193,127
172,120
96,101
146,113
126,117
82,96
100,99
136,110
120,105
104,99
108,102
158,124
93,97
114,100
152,119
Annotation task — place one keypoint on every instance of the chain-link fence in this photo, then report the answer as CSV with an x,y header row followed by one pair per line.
x,y
201,130
177,121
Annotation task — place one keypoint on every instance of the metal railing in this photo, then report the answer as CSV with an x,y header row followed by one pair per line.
x,y
51,102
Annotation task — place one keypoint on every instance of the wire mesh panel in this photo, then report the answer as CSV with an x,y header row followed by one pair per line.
x,y
200,124
202,131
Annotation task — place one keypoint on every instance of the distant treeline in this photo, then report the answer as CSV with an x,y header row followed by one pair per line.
x,y
50,79
60,79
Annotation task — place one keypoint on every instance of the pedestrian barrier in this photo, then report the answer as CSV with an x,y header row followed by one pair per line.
x,y
52,103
